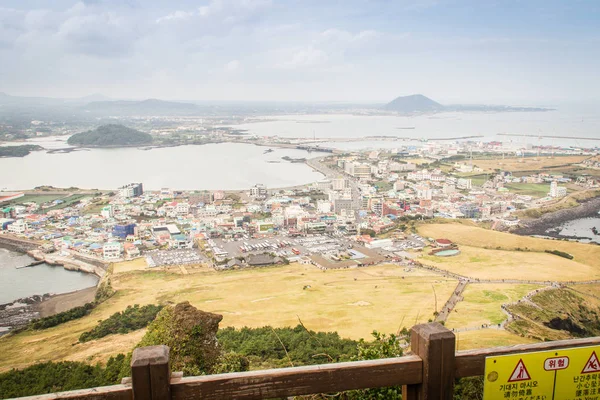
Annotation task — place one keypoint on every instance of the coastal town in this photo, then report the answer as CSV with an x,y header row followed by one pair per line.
x,y
362,213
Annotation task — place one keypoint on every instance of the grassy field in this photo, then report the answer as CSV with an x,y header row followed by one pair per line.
x,y
585,264
353,302
529,189
482,302
476,262
36,198
527,164
485,338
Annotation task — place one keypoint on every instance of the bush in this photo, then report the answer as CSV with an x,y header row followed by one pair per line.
x,y
133,318
65,316
560,254
300,346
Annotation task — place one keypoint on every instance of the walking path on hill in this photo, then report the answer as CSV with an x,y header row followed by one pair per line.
x,y
456,296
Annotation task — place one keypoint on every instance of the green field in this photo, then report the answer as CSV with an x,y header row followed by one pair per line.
x,y
36,198
482,302
529,189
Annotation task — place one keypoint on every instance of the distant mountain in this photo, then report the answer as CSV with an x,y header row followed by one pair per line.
x,y
112,135
144,107
413,103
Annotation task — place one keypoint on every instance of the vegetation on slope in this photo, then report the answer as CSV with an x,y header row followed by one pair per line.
x,y
62,317
112,135
281,347
51,377
18,151
555,314
131,319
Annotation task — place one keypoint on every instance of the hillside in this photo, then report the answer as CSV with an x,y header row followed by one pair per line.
x,y
144,107
413,103
112,135
556,314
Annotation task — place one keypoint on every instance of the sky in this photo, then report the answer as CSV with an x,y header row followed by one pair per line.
x,y
517,52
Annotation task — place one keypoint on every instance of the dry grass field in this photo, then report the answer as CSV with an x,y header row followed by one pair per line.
x,y
485,338
471,237
353,302
482,302
527,164
476,262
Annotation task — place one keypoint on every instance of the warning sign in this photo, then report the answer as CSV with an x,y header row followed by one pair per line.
x,y
566,374
520,373
592,364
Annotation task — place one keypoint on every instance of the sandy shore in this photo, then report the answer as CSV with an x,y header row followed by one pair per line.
x,y
65,301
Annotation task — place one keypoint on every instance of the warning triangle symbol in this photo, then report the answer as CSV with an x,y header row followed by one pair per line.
x,y
520,373
592,365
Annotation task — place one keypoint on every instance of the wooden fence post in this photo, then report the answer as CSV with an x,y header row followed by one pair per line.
x,y
436,346
150,373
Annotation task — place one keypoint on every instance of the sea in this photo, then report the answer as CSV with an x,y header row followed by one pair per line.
x,y
236,166
17,283
582,229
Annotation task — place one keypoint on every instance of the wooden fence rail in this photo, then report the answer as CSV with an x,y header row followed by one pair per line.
x,y
427,374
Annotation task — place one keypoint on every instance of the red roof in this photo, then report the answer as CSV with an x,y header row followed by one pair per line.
x,y
443,241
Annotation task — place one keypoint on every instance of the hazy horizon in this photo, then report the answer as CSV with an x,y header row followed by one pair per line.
x,y
357,51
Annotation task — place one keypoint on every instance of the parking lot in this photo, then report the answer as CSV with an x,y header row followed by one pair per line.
x,y
161,258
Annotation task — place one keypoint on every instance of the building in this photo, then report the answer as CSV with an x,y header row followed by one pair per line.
x,y
424,192
111,251
132,190
342,204
557,191
464,184
123,231
218,195
323,185
107,212
18,227
339,184
358,170
258,191
182,208
469,210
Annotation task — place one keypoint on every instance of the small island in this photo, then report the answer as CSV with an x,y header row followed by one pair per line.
x,y
18,151
112,135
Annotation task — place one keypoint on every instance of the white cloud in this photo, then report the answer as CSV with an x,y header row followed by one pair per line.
x,y
232,65
305,57
174,16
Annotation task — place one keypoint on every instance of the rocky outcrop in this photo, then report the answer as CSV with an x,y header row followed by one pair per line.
x,y
191,334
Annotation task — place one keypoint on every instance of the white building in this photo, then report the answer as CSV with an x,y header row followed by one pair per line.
x,y
111,251
182,208
19,226
258,191
557,191
339,184
464,183
323,207
424,192
107,212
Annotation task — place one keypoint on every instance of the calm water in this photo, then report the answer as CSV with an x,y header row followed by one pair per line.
x,y
570,123
212,166
239,166
41,279
582,228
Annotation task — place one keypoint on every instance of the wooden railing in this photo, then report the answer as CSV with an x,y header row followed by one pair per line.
x,y
427,374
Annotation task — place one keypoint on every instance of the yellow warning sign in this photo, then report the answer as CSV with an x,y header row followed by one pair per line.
x,y
566,374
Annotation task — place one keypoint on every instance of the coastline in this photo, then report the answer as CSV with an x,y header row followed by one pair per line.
x,y
19,312
544,225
